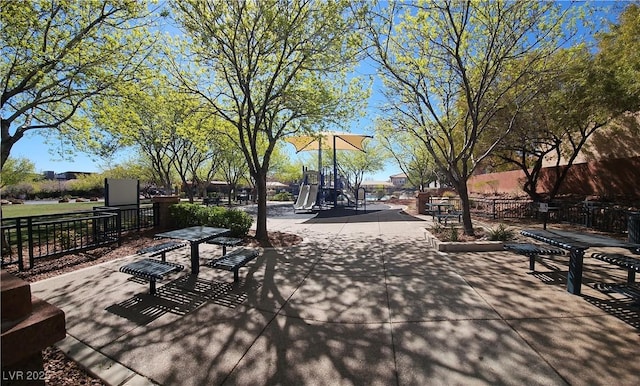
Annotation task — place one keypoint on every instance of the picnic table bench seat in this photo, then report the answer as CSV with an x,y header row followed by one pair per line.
x,y
225,242
162,249
211,201
532,250
447,216
234,260
632,264
151,270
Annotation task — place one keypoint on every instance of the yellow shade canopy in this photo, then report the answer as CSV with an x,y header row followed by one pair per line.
x,y
326,140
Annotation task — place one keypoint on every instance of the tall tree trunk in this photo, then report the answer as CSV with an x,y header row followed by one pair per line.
x,y
463,192
261,222
7,141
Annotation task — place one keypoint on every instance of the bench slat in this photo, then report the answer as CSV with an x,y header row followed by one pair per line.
x,y
224,240
632,264
161,249
150,269
618,259
447,216
532,250
233,261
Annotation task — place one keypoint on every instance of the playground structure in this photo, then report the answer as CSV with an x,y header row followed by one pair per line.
x,y
309,195
313,190
316,194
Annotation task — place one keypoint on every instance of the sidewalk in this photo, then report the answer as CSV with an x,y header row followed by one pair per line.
x,y
362,300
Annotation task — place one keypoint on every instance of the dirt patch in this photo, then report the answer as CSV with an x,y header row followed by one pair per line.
x,y
131,243
276,240
455,233
59,370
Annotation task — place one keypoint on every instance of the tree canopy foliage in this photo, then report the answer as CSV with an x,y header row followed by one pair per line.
x,y
449,66
270,69
582,93
57,55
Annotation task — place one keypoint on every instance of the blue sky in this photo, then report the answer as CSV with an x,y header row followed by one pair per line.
x,y
34,146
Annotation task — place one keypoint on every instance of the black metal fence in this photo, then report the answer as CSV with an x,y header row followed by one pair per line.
x,y
598,216
26,239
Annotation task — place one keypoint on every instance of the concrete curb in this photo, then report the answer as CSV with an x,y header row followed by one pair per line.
x,y
473,246
101,366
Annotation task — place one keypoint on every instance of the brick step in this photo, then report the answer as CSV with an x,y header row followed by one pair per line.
x,y
15,297
20,339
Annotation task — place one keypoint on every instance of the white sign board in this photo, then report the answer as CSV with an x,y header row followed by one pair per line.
x,y
121,192
544,207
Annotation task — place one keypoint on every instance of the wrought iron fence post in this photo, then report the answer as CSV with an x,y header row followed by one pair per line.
x,y
156,214
119,226
30,240
493,211
19,244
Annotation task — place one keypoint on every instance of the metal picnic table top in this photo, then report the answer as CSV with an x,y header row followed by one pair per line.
x,y
195,235
578,240
576,243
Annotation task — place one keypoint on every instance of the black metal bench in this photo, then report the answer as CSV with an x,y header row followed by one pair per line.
x,y
234,260
161,249
447,216
225,242
632,264
211,201
532,250
150,269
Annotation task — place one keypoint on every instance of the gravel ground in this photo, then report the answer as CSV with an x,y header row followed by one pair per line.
x,y
59,369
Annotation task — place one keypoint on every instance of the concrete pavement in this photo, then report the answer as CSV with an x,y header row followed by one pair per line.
x,y
363,300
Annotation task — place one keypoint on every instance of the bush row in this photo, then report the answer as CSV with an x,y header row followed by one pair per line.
x,y
187,215
282,196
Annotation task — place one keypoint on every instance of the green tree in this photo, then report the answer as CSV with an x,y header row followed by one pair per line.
x,y
196,151
619,53
414,160
161,122
585,93
448,66
233,166
17,170
283,168
57,54
273,69
353,164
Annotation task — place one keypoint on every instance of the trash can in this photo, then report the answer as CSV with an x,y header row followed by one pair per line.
x,y
633,226
421,202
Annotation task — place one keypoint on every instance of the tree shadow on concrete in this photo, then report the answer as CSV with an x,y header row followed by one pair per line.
x,y
352,215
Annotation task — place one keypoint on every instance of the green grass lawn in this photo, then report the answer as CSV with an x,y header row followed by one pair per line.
x,y
9,211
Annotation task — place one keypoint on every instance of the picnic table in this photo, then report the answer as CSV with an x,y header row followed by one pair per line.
x,y
442,210
195,235
576,243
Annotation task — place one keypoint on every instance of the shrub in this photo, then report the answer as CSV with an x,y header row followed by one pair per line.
x,y
186,215
453,235
282,196
501,233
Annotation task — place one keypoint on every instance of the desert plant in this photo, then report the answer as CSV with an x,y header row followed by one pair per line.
x,y
453,233
436,228
501,233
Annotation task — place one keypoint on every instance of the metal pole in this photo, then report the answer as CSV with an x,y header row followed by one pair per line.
x,y
320,155
335,174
